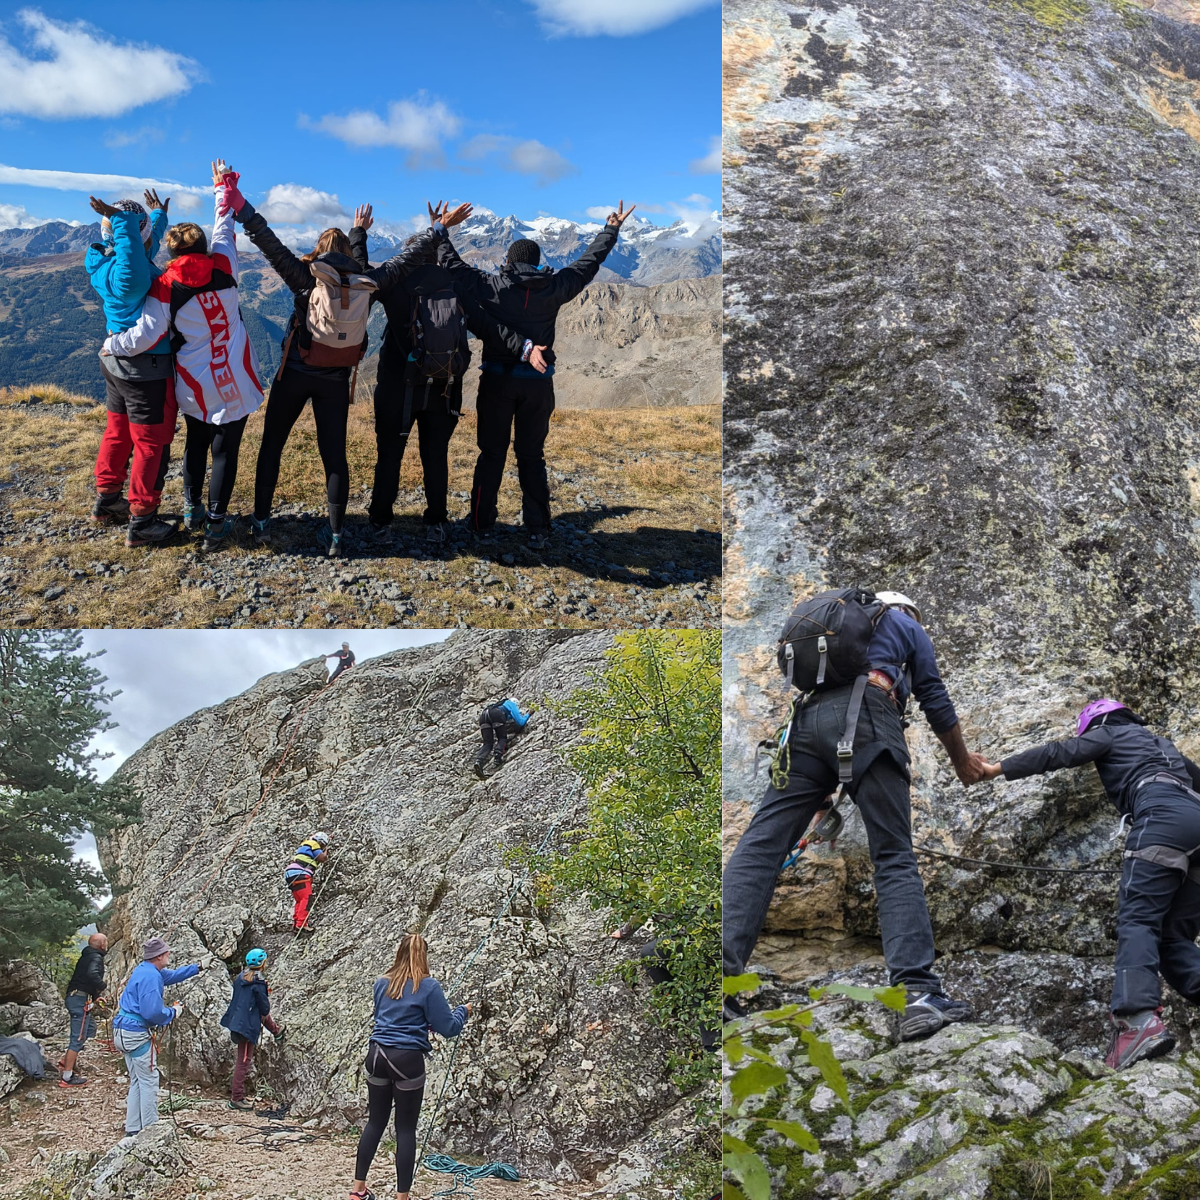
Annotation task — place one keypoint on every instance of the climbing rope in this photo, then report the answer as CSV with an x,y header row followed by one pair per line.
x,y
466,1177
1011,866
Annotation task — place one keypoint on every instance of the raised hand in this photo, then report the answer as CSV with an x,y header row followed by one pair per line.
x,y
618,218
362,217
105,210
219,170
441,212
153,202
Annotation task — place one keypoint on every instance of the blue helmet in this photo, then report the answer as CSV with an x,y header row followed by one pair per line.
x,y
256,958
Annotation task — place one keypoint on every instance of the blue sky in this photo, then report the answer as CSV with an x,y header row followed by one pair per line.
x,y
530,107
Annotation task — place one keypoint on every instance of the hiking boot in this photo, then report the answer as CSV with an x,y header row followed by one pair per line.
x,y
1136,1036
498,759
110,510
241,1105
435,535
149,531
78,1080
733,1009
215,533
539,540
193,517
261,531
380,532
334,542
926,1012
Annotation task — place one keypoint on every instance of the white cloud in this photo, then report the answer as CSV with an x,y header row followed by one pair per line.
x,y
294,204
530,157
710,164
16,216
599,212
182,195
617,18
81,72
418,126
116,139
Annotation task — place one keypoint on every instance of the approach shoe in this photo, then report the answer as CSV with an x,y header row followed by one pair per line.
x,y
539,540
76,1080
149,531
111,510
733,1009
193,517
215,533
926,1012
1136,1036
333,541
261,531
241,1105
435,534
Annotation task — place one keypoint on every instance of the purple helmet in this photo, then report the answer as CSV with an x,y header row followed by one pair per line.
x,y
1097,708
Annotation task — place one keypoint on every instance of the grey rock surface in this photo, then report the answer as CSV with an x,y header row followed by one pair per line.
x,y
136,1167
556,1071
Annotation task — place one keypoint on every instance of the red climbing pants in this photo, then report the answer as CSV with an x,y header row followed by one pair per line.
x,y
301,893
141,425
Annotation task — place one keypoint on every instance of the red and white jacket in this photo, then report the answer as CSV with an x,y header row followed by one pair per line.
x,y
195,300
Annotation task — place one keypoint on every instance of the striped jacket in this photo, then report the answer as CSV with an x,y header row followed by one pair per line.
x,y
195,300
304,861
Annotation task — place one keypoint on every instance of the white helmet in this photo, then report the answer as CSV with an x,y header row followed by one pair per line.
x,y
321,837
899,600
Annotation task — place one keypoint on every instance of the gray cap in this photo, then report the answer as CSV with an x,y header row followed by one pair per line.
x,y
154,947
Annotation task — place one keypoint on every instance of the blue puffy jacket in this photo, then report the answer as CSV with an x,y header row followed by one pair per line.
x,y
121,270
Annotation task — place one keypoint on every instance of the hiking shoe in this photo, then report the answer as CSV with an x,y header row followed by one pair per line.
x,y
733,1009
1136,1036
215,533
111,510
479,767
336,548
241,1105
261,531
380,532
77,1080
368,1195
149,531
193,517
926,1012
435,535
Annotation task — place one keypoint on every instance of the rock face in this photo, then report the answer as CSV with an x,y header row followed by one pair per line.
x,y
29,1001
961,357
556,1071
136,1167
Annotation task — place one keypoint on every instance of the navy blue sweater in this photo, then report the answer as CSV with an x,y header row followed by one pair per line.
x,y
901,644
405,1022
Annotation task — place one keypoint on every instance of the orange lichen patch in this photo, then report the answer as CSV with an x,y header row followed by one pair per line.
x,y
746,48
1178,116
1193,482
1177,10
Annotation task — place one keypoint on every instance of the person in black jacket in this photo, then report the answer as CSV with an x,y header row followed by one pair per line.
x,y
84,989
249,1010
297,382
402,395
1156,788
345,660
514,399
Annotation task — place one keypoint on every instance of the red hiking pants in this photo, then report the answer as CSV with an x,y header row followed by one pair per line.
x,y
301,893
141,424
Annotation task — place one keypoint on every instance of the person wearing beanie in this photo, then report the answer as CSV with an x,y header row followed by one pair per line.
x,y
249,1010
139,389
516,397
141,1010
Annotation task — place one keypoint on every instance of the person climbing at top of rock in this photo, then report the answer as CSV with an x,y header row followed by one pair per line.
x,y
497,723
139,387
856,657
526,297
298,875
409,1003
345,660
142,1009
249,1010
86,986
1157,789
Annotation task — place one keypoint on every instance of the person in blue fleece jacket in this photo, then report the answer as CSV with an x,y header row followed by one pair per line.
x,y
496,722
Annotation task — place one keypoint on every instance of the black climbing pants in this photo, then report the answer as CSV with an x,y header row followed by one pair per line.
x,y
1158,907
517,407
224,441
435,426
330,397
390,1074
493,729
880,788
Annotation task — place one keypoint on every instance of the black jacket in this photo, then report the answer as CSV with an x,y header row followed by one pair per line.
x,y
1124,754
299,278
524,297
88,975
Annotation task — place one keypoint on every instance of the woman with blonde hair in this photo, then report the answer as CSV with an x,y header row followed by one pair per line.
x,y
409,1002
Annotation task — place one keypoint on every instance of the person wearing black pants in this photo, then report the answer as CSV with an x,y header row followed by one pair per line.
x,y
224,442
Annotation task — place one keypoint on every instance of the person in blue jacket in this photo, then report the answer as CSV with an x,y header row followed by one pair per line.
x,y
496,722
139,390
409,1003
249,1010
142,1009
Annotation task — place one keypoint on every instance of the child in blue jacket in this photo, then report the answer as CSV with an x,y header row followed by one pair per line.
x,y
249,1010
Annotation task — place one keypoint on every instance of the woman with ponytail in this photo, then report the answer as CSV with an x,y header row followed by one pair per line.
x,y
409,1002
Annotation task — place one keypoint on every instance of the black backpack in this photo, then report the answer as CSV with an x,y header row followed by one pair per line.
x,y
825,640
439,354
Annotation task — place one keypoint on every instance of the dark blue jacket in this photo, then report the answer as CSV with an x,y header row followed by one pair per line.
x,y
249,1005
902,649
405,1022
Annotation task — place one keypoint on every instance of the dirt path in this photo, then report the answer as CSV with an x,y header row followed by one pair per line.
x,y
235,1155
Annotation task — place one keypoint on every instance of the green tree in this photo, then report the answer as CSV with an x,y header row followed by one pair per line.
x,y
51,706
650,759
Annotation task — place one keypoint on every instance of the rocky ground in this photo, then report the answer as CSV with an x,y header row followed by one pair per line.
x,y
636,539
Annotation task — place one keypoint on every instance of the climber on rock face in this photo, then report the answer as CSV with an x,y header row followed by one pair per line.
x,y
345,657
497,723
141,1009
848,728
409,1002
249,1010
298,875
85,988
1157,789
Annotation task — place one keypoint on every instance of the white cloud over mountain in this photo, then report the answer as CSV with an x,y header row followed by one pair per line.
x,y
616,18
542,163
295,204
419,126
183,196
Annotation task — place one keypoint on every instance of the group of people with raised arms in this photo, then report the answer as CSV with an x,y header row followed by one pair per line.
x,y
176,342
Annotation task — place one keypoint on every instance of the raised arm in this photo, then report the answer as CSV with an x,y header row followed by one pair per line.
x,y
441,1019
289,268
158,220
358,238
409,257
574,277
129,275
1056,756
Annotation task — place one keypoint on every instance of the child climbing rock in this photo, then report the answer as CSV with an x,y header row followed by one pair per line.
x,y
298,875
249,1010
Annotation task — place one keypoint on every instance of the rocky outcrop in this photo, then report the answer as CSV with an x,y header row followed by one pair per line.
x,y
557,1071
29,1001
136,1167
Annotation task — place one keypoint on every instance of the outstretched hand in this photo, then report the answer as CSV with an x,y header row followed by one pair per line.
x,y
153,202
618,218
992,770
973,769
362,217
103,208
219,170
445,215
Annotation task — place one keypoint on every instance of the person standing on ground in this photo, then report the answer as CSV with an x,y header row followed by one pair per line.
x,y
142,1010
84,989
409,1002
512,394
494,724
1156,788
345,660
249,1010
864,716
298,875
139,387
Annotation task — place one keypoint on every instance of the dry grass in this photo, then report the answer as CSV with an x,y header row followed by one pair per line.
x,y
636,481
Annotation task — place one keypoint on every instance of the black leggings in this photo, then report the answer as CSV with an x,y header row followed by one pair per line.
x,y
331,405
409,1066
225,441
